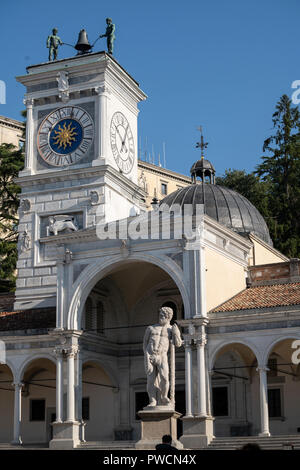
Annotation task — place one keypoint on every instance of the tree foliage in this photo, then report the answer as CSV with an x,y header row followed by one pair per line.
x,y
11,162
274,188
281,166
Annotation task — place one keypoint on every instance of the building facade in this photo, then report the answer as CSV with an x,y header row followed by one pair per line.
x,y
90,280
11,132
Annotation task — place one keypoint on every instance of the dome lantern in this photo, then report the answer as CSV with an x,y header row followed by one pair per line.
x,y
202,168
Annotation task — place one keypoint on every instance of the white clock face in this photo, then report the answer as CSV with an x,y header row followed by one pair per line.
x,y
65,136
122,143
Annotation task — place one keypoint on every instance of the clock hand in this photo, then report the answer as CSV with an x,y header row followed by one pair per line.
x,y
118,132
123,141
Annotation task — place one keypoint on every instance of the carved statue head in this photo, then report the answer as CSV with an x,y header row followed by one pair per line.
x,y
54,31
108,20
165,315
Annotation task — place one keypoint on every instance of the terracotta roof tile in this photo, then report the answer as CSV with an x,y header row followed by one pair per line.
x,y
274,295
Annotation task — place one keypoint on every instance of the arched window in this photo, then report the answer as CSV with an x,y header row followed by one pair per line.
x,y
173,306
88,314
100,318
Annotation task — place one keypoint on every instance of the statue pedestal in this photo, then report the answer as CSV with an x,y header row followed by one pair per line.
x,y
155,422
197,432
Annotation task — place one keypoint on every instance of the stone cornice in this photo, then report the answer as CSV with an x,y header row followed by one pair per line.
x,y
98,62
53,176
12,123
163,172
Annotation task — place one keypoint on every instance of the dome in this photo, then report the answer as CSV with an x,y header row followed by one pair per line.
x,y
202,164
226,206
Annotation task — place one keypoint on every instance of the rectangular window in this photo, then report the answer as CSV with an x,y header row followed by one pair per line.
x,y
85,408
220,401
164,188
37,410
274,402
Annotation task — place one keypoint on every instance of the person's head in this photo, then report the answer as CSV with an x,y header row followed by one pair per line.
x,y
165,315
54,31
108,20
251,446
167,439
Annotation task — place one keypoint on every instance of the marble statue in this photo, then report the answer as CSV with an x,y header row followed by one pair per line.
x,y
157,341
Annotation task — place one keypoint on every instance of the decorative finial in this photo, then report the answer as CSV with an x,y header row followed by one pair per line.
x,y
202,145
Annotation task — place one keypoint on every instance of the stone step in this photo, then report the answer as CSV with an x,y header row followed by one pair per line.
x,y
107,445
272,442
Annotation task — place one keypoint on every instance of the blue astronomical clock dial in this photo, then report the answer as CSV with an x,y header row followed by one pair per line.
x,y
65,136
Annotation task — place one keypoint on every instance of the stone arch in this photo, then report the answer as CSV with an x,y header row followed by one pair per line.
x,y
223,344
106,368
29,360
13,369
91,275
269,348
7,378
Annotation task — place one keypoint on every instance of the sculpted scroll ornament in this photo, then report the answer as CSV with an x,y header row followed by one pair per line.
x,y
25,241
25,205
63,86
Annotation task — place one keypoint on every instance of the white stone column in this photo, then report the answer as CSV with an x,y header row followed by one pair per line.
x,y
188,377
201,376
59,386
264,412
29,137
60,294
17,413
71,384
101,129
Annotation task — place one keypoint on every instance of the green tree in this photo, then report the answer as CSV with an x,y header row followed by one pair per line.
x,y
11,162
250,186
281,168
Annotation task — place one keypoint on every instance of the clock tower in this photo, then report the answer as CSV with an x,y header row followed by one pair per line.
x,y
81,156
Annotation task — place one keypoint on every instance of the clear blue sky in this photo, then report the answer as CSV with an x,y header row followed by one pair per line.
x,y
222,64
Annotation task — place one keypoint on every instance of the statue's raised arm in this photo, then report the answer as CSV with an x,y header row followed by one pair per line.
x,y
176,336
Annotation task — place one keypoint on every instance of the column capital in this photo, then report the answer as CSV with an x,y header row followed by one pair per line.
x,y
72,351
200,340
28,102
262,369
18,384
102,90
187,341
59,351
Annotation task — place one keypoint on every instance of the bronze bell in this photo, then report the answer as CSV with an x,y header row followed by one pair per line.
x,y
83,44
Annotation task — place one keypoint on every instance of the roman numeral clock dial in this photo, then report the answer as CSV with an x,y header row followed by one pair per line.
x,y
122,143
65,136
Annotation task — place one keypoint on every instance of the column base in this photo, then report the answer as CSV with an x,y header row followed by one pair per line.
x,y
197,432
65,435
26,172
264,434
98,161
155,423
17,442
